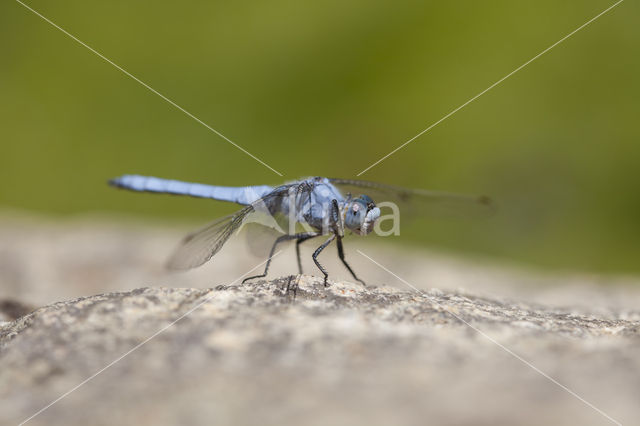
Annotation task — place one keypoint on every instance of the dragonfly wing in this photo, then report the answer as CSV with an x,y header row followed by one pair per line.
x,y
201,245
417,201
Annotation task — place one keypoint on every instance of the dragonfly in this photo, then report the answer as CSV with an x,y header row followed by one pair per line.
x,y
299,210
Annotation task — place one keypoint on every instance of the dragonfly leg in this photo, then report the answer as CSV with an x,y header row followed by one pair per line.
x,y
337,218
317,252
298,242
292,288
273,249
341,256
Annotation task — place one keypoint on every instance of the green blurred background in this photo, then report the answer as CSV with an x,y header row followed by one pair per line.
x,y
327,88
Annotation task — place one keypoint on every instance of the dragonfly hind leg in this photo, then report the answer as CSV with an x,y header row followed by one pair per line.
x,y
341,256
303,236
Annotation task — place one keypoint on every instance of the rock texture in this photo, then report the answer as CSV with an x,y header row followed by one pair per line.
x,y
345,355
12,309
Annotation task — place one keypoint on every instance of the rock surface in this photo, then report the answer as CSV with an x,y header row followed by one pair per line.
x,y
345,355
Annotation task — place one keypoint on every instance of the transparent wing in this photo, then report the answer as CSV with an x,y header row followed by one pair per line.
x,y
417,202
200,246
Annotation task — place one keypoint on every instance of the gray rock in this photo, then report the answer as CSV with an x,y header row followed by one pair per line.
x,y
13,309
257,354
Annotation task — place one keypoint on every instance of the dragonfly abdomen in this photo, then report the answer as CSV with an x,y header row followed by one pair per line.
x,y
241,195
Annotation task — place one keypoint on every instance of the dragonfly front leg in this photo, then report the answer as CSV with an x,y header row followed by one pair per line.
x,y
341,256
317,252
304,235
336,217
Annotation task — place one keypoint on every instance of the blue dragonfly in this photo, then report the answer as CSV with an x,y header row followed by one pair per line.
x,y
300,210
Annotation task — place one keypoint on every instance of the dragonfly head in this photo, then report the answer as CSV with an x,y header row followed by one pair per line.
x,y
361,215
